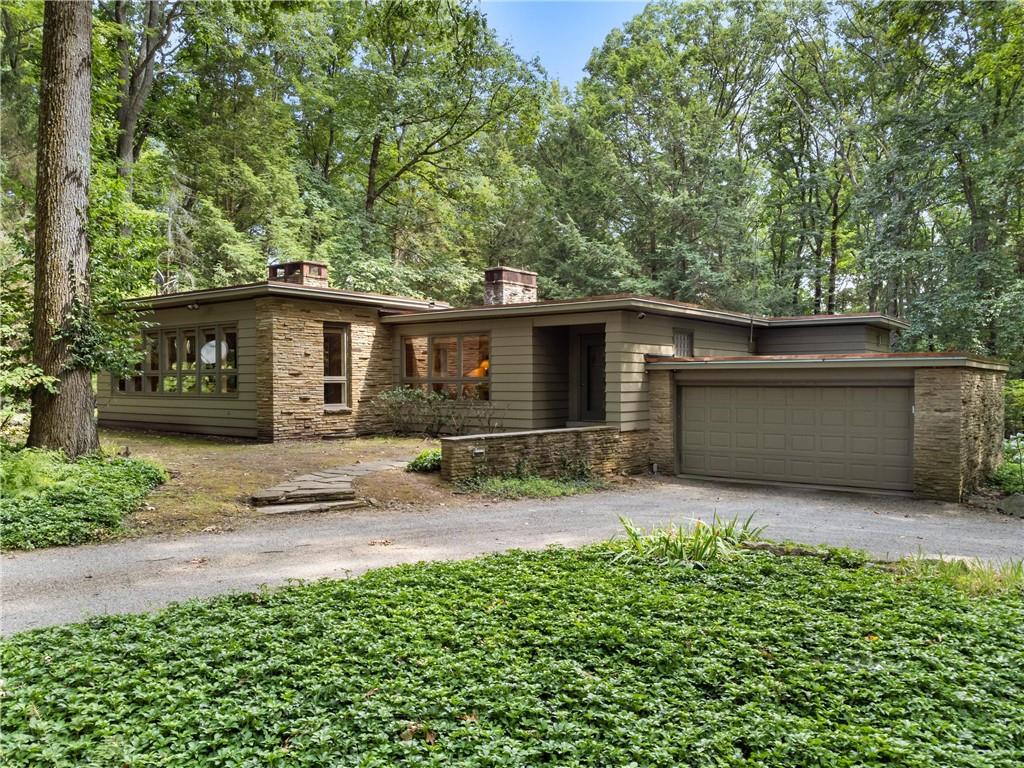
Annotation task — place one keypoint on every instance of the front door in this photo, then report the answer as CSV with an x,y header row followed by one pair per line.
x,y
592,377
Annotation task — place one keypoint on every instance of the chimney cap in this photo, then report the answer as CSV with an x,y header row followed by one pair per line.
x,y
501,273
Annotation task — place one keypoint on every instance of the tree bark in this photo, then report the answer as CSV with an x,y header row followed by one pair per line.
x,y
64,419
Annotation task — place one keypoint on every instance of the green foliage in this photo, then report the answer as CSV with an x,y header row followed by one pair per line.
x,y
426,461
528,486
1010,474
972,577
694,546
559,657
27,472
412,410
1013,399
49,501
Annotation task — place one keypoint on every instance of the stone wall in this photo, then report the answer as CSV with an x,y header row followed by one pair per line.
x,y
289,383
958,429
661,399
544,452
981,424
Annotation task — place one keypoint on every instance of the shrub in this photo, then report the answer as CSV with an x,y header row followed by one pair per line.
x,y
411,410
1010,475
26,472
427,461
1013,396
59,502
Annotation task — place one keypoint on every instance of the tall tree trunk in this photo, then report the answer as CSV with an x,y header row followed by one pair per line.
x,y
833,253
371,175
63,419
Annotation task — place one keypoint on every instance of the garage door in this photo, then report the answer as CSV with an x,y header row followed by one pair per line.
x,y
846,436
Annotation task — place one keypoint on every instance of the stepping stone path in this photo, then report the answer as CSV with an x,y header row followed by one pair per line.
x,y
323,491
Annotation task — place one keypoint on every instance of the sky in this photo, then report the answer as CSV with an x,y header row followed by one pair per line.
x,y
560,33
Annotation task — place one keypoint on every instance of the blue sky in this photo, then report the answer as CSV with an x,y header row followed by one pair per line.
x,y
560,34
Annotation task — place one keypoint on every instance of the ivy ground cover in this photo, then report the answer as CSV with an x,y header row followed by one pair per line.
x,y
560,657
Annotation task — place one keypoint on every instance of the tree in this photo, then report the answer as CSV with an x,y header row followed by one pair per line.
x,y
64,417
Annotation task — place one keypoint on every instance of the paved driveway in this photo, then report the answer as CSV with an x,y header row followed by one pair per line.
x,y
61,585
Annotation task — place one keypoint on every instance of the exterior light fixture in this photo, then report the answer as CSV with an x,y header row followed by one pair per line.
x,y
193,306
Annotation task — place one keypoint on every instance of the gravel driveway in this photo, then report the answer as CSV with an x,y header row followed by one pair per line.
x,y
61,585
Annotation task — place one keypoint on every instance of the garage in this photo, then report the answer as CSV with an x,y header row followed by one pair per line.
x,y
846,436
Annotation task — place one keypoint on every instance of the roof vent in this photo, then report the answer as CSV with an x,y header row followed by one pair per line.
x,y
507,285
311,273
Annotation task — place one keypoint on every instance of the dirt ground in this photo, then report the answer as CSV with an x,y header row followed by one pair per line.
x,y
212,478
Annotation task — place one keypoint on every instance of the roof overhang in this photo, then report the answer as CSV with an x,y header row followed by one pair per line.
x,y
641,304
285,290
869,360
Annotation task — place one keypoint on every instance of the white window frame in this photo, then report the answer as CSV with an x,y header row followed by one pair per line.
x,y
345,330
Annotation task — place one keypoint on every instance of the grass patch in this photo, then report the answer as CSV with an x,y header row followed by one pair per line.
x,y
559,657
973,577
529,487
49,501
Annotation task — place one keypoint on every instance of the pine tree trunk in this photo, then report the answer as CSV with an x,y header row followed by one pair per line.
x,y
63,420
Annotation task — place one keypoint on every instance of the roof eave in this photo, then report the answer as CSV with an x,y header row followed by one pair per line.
x,y
289,290
833,361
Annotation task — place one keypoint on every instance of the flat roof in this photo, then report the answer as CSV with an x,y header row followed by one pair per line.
x,y
638,303
412,310
288,290
866,359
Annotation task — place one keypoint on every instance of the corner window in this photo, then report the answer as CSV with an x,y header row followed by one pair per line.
x,y
337,352
682,342
186,361
456,366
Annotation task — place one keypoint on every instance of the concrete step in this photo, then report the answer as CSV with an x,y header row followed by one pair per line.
x,y
313,506
271,496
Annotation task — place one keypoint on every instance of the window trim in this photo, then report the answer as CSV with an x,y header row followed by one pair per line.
x,y
144,370
459,381
345,329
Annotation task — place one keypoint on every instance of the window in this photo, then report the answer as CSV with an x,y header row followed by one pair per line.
x,y
682,342
186,361
336,366
456,366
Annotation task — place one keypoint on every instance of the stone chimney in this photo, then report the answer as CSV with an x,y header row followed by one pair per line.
x,y
311,273
506,285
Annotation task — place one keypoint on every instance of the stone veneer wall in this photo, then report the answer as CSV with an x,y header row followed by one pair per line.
x,y
661,398
289,381
958,429
544,452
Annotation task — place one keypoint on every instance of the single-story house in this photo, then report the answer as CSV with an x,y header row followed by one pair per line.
x,y
634,382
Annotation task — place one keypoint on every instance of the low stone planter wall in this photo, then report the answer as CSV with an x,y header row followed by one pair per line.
x,y
544,452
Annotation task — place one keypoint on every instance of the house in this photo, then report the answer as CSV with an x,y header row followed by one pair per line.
x,y
632,382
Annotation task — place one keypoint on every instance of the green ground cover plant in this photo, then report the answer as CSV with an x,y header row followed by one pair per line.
x,y
46,500
561,657
428,460
1009,477
529,486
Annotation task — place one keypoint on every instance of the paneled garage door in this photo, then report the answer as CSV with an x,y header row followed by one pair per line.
x,y
845,436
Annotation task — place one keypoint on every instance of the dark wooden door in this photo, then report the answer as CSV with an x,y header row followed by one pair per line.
x,y
592,377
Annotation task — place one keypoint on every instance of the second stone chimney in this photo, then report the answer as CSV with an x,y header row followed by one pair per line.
x,y
506,285
311,273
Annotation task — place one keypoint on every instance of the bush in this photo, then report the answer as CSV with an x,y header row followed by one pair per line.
x,y
411,410
1010,475
50,501
427,461
1013,396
